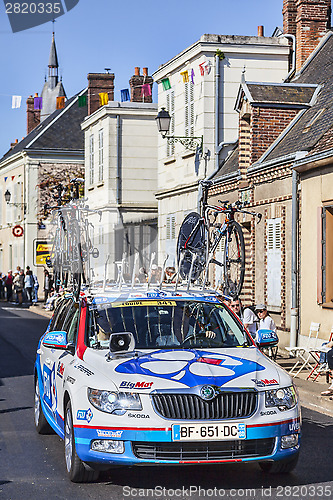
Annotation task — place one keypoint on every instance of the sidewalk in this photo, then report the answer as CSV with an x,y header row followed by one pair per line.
x,y
308,390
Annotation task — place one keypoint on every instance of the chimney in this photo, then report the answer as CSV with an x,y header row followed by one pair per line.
x,y
136,82
99,83
13,144
289,11
313,19
260,31
33,115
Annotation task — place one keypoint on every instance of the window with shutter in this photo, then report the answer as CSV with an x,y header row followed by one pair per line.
x,y
100,155
91,159
171,240
325,256
170,105
189,108
274,262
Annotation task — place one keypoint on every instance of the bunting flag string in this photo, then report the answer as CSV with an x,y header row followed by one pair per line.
x,y
146,90
103,98
16,101
82,100
184,74
166,84
124,95
6,179
60,102
38,103
13,177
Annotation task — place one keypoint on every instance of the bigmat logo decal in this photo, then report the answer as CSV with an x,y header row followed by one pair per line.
x,y
135,385
190,367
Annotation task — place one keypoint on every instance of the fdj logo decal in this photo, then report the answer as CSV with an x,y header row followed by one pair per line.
x,y
25,14
85,415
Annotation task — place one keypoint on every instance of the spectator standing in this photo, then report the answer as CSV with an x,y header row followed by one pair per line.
x,y
236,306
47,285
2,287
18,286
28,284
36,286
250,320
265,321
9,285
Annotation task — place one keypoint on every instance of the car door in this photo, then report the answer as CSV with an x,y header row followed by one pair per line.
x,y
49,360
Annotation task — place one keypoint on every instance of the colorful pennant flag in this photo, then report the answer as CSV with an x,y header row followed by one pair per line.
x,y
82,101
192,76
205,67
184,74
16,101
6,179
60,102
208,67
166,84
103,98
202,71
125,95
38,103
146,90
13,177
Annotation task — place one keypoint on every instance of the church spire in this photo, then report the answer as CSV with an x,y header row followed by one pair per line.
x,y
53,65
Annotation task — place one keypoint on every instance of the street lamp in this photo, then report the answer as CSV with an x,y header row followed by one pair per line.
x,y
163,120
8,196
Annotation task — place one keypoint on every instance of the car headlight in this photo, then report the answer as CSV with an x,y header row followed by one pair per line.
x,y
114,402
284,399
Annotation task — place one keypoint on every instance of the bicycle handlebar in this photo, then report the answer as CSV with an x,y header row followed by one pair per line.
x,y
237,206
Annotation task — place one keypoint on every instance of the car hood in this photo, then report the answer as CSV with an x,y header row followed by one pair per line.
x,y
174,368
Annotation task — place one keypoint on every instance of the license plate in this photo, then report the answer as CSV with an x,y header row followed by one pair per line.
x,y
198,432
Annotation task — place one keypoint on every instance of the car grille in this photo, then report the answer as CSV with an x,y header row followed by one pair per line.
x,y
222,450
191,407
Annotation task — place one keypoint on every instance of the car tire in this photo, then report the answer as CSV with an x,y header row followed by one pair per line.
x,y
280,467
78,471
41,424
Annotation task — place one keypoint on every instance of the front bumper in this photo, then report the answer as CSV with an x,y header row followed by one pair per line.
x,y
155,446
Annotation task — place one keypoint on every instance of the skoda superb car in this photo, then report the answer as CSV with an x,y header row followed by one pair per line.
x,y
158,377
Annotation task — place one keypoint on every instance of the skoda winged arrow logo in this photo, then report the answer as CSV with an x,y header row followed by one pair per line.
x,y
207,392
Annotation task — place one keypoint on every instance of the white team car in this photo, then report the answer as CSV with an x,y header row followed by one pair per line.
x,y
161,377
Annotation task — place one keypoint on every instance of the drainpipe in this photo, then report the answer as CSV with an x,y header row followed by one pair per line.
x,y
294,239
293,39
118,178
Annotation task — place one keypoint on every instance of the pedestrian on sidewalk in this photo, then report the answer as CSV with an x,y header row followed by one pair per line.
x,y
9,285
36,286
250,320
18,283
28,284
265,321
2,287
329,357
47,285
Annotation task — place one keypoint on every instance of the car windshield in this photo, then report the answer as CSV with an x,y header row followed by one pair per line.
x,y
171,323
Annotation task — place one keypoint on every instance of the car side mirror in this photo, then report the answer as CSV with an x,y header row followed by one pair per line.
x,y
70,348
55,340
266,338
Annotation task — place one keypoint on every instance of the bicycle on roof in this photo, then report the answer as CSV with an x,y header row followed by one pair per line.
x,y
200,235
72,246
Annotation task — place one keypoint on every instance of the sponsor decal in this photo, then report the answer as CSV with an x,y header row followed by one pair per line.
x,y
135,385
269,412
294,426
137,303
60,369
84,370
156,295
108,434
85,415
265,382
50,390
100,300
190,367
207,299
56,338
138,415
71,380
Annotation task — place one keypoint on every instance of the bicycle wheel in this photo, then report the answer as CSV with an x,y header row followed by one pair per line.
x,y
234,260
76,258
191,240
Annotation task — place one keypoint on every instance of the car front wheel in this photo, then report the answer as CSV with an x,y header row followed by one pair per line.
x,y
78,471
41,424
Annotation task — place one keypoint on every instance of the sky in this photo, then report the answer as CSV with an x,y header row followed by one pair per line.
x,y
98,34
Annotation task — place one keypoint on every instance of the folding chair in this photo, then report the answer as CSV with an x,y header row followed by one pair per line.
x,y
304,352
321,367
